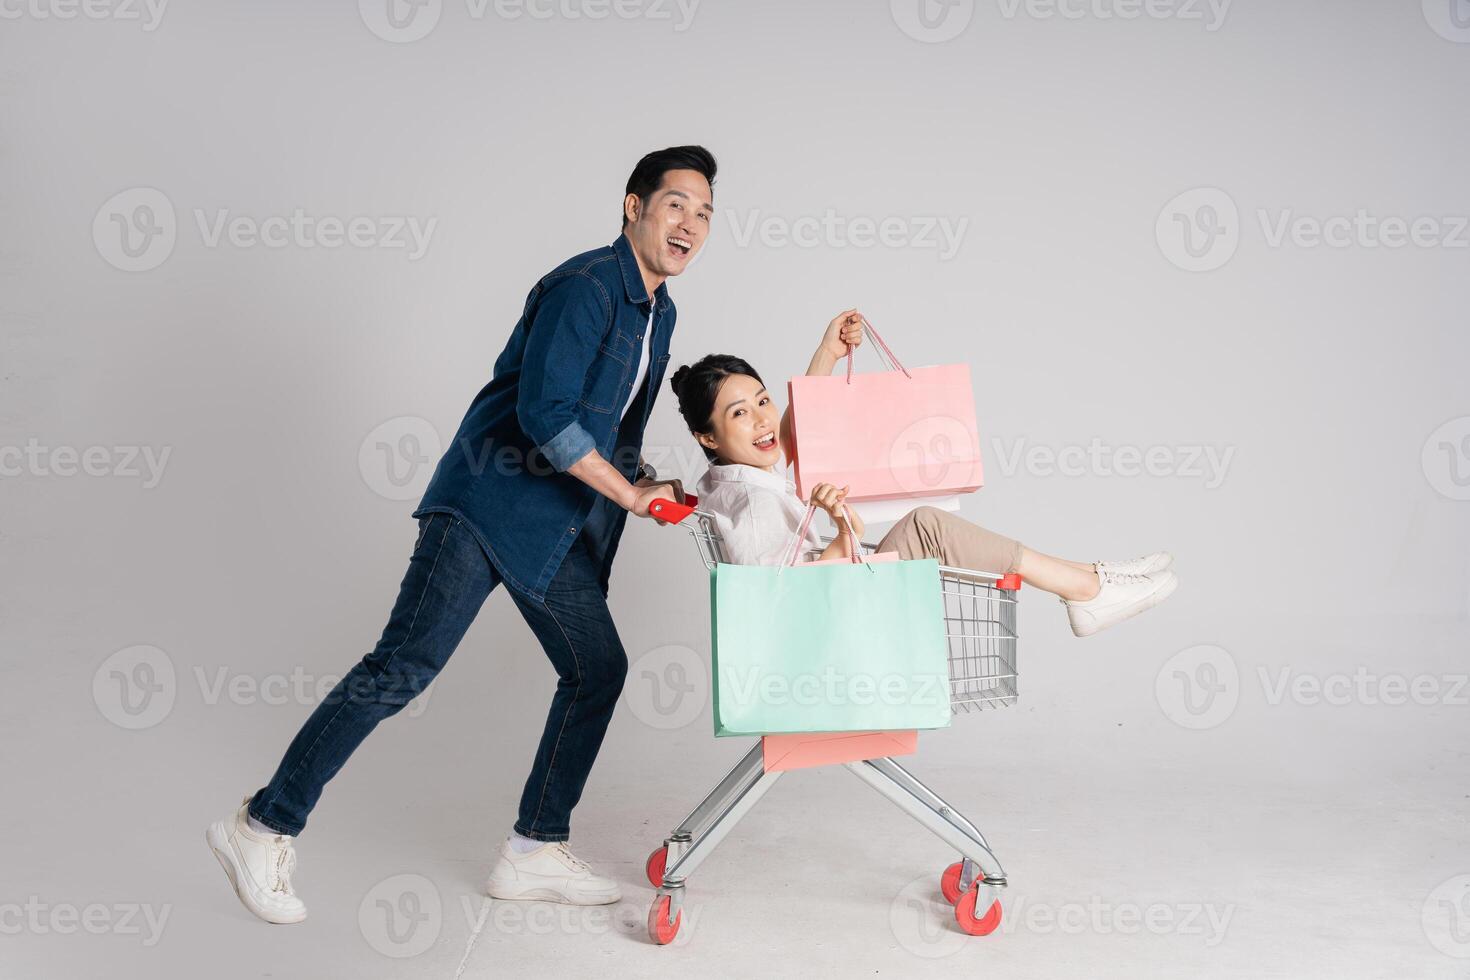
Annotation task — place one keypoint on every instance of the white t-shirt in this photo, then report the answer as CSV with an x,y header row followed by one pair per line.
x,y
756,513
643,374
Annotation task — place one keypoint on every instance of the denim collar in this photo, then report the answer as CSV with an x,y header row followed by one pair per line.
x,y
633,279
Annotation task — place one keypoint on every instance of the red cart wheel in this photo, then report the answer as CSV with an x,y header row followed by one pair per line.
x,y
654,866
660,929
949,882
964,913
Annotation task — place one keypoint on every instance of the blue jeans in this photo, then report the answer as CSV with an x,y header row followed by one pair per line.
x,y
448,579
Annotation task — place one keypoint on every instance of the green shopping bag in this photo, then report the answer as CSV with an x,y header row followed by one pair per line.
x,y
850,645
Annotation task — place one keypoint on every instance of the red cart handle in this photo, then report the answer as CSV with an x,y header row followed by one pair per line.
x,y
667,510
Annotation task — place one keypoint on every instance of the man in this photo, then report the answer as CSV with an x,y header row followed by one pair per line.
x,y
533,493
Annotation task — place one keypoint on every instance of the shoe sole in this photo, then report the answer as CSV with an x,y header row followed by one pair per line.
x,y
217,839
539,894
1153,599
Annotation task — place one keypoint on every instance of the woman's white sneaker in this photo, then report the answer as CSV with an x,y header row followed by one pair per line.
x,y
1119,597
259,867
550,873
1147,565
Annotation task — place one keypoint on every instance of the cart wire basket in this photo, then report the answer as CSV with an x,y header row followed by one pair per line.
x,y
980,627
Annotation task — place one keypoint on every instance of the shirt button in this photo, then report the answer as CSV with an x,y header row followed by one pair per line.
x,y
571,530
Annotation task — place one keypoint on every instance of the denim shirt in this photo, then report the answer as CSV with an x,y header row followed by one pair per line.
x,y
557,393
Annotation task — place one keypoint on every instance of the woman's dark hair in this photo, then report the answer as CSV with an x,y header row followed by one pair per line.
x,y
649,174
697,384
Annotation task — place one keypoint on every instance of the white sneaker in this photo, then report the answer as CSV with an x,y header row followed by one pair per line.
x,y
550,873
259,867
1120,597
1147,565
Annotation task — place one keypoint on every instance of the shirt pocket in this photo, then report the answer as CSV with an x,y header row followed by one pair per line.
x,y
605,382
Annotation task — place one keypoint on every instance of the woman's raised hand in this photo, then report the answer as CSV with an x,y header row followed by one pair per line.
x,y
845,328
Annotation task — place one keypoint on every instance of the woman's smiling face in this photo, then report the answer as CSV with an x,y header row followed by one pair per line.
x,y
744,425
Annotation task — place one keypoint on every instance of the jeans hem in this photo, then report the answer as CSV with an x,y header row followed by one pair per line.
x,y
539,835
275,825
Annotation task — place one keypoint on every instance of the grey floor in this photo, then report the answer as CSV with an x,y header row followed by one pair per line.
x,y
1287,840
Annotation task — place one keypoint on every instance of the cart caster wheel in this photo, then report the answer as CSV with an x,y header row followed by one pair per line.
x,y
654,866
964,913
949,882
660,929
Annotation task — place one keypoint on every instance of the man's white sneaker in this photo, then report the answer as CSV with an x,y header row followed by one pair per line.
x,y
259,867
550,873
1119,597
1147,565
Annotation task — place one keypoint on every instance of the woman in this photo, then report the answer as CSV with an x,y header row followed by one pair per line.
x,y
757,512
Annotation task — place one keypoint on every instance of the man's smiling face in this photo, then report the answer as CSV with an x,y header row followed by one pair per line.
x,y
669,227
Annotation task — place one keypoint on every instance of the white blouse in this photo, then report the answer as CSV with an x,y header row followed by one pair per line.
x,y
756,513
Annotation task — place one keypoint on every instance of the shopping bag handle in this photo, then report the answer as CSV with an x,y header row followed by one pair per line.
x,y
667,510
883,348
806,522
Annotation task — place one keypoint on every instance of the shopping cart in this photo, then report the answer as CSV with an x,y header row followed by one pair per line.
x,y
980,623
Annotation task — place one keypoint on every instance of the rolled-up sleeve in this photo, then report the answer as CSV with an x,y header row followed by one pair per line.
x,y
565,332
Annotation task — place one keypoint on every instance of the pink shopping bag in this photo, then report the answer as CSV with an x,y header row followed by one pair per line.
x,y
889,434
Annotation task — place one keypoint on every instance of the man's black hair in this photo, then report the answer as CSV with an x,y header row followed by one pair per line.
x,y
649,174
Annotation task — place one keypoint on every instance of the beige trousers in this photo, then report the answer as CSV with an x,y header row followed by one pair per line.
x,y
928,532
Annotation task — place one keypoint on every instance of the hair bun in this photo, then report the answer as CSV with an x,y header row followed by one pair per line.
x,y
676,381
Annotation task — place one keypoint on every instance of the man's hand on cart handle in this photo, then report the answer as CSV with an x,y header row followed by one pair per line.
x,y
650,490
668,512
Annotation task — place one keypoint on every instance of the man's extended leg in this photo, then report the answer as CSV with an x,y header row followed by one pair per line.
x,y
448,579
